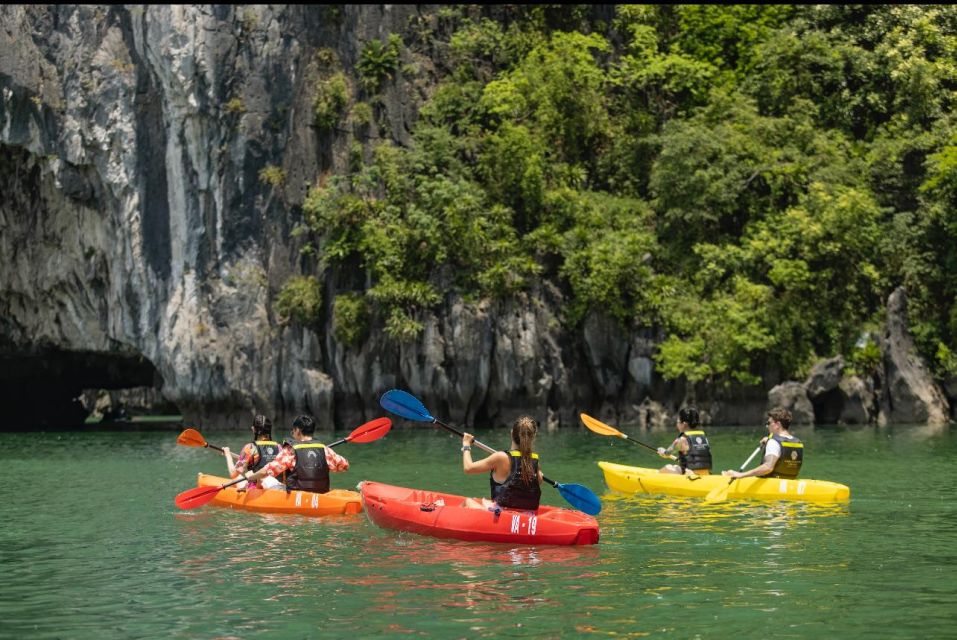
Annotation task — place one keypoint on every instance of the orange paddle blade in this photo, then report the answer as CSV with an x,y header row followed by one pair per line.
x,y
372,430
191,438
196,497
600,427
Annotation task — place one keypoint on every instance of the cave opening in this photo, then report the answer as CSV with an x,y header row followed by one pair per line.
x,y
49,389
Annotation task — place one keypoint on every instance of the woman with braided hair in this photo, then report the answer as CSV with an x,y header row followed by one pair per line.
x,y
514,475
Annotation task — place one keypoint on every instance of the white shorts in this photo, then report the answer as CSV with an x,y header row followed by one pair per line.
x,y
271,483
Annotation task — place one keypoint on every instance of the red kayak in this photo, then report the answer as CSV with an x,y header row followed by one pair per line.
x,y
443,515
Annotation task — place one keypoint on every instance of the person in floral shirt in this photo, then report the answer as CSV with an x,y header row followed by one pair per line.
x,y
303,463
256,454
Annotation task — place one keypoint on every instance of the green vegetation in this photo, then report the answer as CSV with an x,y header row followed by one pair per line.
x,y
272,175
755,180
332,98
235,106
300,301
350,318
378,61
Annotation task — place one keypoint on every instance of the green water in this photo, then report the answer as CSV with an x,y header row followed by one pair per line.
x,y
92,547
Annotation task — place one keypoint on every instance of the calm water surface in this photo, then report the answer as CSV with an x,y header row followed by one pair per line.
x,y
92,547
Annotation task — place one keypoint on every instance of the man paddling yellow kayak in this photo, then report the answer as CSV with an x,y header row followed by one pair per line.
x,y
782,454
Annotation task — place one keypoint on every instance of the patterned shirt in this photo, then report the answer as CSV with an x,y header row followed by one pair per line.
x,y
248,458
286,461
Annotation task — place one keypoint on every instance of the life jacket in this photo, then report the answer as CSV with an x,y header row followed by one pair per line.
x,y
513,493
788,464
699,451
267,450
311,472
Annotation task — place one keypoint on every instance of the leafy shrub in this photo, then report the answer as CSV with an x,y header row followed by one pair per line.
x,y
272,175
332,97
378,61
300,301
350,318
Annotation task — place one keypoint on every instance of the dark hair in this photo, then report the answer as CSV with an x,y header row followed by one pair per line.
x,y
781,415
262,426
523,433
305,424
690,415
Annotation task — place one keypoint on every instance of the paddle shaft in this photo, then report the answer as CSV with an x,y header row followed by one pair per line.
x,y
482,446
649,447
220,449
722,493
750,458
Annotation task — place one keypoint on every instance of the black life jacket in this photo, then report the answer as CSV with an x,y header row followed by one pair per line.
x,y
788,464
267,450
699,451
311,472
513,493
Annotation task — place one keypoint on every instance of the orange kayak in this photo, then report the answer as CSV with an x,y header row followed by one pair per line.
x,y
305,503
443,515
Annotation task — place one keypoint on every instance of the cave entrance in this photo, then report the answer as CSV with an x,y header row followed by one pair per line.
x,y
56,389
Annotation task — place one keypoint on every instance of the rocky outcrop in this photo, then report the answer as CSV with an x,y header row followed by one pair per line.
x,y
910,394
793,397
825,377
837,398
858,402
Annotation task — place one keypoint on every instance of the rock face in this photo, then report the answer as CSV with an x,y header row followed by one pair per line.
x,y
142,244
793,397
910,394
135,220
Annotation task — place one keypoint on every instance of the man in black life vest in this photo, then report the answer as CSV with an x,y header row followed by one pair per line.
x,y
782,453
303,464
694,450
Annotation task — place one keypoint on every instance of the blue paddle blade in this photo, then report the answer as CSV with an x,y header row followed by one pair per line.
x,y
404,404
580,497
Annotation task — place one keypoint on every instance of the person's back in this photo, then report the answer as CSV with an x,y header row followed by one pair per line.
x,y
514,476
303,463
790,455
312,466
256,454
521,489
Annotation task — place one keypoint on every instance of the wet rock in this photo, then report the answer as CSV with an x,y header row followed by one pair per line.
x,y
825,376
792,396
858,401
910,394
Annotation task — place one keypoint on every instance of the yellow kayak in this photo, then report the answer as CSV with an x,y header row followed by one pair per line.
x,y
627,479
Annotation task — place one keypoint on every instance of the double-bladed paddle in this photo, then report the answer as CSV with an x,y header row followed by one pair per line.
x,y
408,406
197,497
720,493
601,428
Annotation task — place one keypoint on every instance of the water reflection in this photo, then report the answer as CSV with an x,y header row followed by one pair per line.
x,y
681,512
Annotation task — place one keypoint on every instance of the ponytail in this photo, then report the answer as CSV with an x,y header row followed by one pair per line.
x,y
262,427
523,433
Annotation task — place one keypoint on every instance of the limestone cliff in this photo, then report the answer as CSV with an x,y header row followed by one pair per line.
x,y
142,246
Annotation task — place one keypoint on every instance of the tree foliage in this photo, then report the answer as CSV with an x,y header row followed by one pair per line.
x,y
752,179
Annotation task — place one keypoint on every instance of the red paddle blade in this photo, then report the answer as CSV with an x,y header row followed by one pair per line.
x,y
191,438
197,497
372,430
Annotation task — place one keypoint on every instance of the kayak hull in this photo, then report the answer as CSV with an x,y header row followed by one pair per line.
x,y
627,479
304,503
443,515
